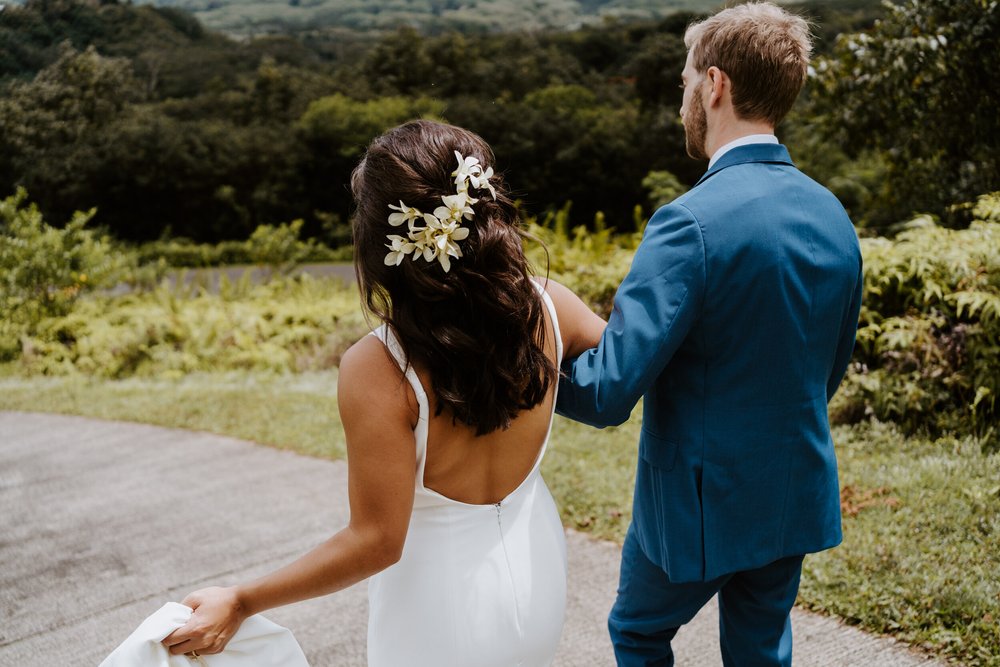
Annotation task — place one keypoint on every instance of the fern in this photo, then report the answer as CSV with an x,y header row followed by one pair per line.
x,y
928,353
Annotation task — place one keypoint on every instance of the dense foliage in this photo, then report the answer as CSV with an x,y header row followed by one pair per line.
x,y
170,129
284,325
592,264
923,89
171,328
44,269
252,16
928,354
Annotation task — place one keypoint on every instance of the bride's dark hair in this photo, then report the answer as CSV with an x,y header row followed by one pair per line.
x,y
479,328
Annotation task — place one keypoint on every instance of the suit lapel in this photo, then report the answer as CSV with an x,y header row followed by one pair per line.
x,y
773,153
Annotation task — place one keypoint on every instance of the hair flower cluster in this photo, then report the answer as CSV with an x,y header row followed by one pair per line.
x,y
435,235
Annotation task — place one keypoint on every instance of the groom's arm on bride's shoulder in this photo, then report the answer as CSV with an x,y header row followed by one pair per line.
x,y
654,309
579,327
378,411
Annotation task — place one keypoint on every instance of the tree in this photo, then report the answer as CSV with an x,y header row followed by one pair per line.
x,y
50,128
335,131
657,67
923,87
203,179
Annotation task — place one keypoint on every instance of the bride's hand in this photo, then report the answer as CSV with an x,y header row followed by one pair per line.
x,y
217,616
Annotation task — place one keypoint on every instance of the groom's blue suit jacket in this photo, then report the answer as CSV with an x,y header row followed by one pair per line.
x,y
735,324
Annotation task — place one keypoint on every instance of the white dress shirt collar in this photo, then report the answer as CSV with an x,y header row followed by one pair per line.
x,y
742,141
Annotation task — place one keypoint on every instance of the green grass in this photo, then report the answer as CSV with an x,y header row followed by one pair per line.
x,y
921,552
591,474
298,413
921,559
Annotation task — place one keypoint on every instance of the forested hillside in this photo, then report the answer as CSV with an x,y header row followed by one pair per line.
x,y
169,128
347,18
429,16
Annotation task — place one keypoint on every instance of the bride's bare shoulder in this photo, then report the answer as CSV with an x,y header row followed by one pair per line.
x,y
580,327
370,380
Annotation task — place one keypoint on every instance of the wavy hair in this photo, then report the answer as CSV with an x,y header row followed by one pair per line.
x,y
479,329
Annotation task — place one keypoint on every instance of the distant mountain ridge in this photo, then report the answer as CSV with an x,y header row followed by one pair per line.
x,y
429,16
375,17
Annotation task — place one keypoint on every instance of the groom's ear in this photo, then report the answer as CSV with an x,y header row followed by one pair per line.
x,y
718,85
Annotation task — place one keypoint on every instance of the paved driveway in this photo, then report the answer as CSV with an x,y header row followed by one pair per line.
x,y
103,522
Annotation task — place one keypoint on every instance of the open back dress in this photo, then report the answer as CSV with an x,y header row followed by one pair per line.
x,y
477,585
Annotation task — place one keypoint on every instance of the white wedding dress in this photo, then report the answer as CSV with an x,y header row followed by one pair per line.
x,y
477,585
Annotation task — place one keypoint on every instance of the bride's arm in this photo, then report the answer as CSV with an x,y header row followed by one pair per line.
x,y
378,411
579,327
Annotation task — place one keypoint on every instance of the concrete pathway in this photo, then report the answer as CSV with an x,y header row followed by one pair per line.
x,y
212,276
103,522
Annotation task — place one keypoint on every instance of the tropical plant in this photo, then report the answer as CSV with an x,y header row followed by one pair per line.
x,y
922,86
283,325
45,269
663,188
590,263
928,353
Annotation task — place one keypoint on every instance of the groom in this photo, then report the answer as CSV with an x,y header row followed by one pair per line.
x,y
735,324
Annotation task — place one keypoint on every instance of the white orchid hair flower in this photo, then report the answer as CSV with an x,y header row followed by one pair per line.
x,y
438,236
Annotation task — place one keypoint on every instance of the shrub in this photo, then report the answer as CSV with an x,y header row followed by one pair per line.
x,y
44,269
284,325
591,263
929,335
663,188
278,247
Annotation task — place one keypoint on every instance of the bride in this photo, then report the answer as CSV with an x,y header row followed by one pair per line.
x,y
447,409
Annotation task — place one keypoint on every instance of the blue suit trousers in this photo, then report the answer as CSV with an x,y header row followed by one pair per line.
x,y
754,611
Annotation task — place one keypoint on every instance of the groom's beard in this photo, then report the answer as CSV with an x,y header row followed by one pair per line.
x,y
696,126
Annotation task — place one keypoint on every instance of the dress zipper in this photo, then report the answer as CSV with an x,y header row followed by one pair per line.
x,y
506,557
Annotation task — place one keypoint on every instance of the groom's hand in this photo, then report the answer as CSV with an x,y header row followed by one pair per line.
x,y
217,615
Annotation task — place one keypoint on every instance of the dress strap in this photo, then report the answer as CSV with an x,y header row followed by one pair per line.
x,y
551,307
388,338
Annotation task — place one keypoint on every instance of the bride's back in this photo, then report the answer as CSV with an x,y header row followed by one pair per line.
x,y
467,362
485,469
457,294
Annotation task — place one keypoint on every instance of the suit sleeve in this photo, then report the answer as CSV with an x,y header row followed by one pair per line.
x,y
848,334
654,309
